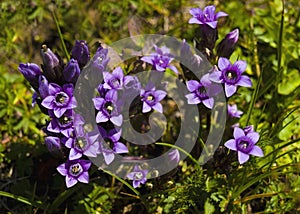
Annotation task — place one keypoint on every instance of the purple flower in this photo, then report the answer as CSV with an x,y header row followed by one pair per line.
x,y
43,86
138,176
75,170
53,145
82,143
31,72
174,155
80,52
111,144
108,108
248,129
205,17
151,98
233,111
71,71
202,91
161,59
226,46
60,99
231,75
51,65
63,125
244,144
114,80
100,58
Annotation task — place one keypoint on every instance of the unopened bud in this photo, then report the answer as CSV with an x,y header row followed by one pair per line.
x,y
227,45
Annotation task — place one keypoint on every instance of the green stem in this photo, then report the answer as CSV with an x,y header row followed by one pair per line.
x,y
60,35
180,149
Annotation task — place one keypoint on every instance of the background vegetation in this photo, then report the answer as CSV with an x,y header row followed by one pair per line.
x,y
269,42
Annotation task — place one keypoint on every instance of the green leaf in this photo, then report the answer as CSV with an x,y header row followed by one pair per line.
x,y
208,207
289,82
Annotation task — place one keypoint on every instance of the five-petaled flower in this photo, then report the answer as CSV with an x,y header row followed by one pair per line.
x,y
60,99
108,108
114,80
205,17
75,170
233,111
244,144
138,176
202,91
161,59
231,75
151,97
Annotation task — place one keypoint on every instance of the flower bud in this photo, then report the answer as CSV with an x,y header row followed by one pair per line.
x,y
227,45
31,72
71,71
54,146
81,52
43,87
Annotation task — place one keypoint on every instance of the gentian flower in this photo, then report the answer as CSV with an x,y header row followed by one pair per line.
x,y
226,47
31,72
60,99
71,71
111,144
43,86
108,108
82,143
75,170
161,59
54,145
151,97
233,111
138,176
202,91
80,52
114,80
244,144
231,75
205,17
100,58
248,129
63,125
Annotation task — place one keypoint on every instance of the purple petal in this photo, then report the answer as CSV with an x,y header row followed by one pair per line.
x,y
131,175
245,81
223,63
195,11
70,181
220,14
205,81
54,88
195,21
215,76
212,24
108,157
117,120
230,90
159,68
58,112
98,102
158,107
62,169
69,143
241,65
160,94
254,136
74,154
136,184
116,136
101,117
257,151
48,102
84,177
68,88
73,103
91,151
192,99
238,132
148,59
192,85
146,107
111,95
120,148
242,157
231,144
173,68
209,103
85,164
118,72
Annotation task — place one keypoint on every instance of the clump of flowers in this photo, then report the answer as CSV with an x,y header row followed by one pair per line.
x,y
66,130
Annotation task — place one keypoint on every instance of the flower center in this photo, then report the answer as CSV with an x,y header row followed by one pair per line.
x,y
138,175
110,143
115,83
80,143
65,120
109,107
61,98
202,93
75,169
150,98
244,144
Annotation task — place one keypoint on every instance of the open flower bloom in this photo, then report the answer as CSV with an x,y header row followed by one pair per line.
x,y
63,125
202,91
75,170
138,176
161,59
60,99
111,144
206,17
231,75
233,111
108,108
244,144
114,80
151,98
